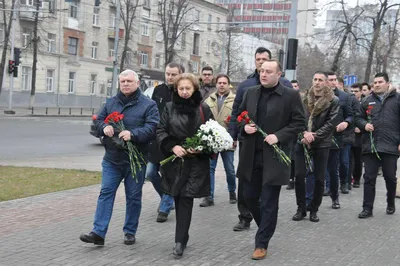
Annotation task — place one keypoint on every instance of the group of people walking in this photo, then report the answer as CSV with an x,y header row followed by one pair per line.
x,y
309,127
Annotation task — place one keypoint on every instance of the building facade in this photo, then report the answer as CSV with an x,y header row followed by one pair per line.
x,y
76,48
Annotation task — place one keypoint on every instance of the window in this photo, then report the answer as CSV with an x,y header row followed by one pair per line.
x,y
157,62
146,13
217,25
144,57
128,57
1,34
94,49
146,3
209,22
196,44
195,66
52,6
111,53
183,40
51,43
26,37
93,82
208,46
26,79
72,46
112,20
145,29
73,9
160,7
27,2
71,82
197,15
50,80
95,21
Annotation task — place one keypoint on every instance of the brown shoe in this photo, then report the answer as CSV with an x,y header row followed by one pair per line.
x,y
259,254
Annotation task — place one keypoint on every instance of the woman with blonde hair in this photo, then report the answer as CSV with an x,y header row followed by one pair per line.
x,y
188,176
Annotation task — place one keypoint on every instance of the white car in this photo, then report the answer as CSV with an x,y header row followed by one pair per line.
x,y
149,92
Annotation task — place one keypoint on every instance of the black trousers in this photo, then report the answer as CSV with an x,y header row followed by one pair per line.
x,y
389,168
183,211
356,166
263,202
293,167
320,162
244,212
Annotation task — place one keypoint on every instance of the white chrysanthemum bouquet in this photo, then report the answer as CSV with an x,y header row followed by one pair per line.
x,y
210,138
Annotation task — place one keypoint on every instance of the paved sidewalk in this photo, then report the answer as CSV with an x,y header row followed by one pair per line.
x,y
45,229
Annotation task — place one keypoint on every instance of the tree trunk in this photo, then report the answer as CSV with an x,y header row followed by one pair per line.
x,y
123,55
35,50
335,64
6,37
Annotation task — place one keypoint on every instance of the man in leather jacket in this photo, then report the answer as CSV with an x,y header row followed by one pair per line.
x,y
321,108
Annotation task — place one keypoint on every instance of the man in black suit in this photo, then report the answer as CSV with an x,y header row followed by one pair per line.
x,y
278,111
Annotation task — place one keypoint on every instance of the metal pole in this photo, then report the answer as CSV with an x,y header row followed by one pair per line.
x,y
115,67
223,53
10,111
291,73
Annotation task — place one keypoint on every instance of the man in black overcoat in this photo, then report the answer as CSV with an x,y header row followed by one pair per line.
x,y
278,111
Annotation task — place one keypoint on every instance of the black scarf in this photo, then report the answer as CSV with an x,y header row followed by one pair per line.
x,y
126,99
186,106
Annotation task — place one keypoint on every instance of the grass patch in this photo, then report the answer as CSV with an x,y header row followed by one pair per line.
x,y
19,182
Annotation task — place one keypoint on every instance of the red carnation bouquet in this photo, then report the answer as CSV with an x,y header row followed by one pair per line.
x,y
227,120
244,117
135,156
371,137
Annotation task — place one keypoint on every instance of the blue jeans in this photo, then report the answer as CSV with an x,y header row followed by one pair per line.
x,y
152,173
112,176
227,159
345,164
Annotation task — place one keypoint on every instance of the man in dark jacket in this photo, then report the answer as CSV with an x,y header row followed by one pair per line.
x,y
140,120
207,82
322,108
261,55
356,149
278,111
380,116
162,95
345,118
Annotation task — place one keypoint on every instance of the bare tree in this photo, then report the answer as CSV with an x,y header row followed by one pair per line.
x,y
7,30
128,14
377,22
176,16
34,41
310,59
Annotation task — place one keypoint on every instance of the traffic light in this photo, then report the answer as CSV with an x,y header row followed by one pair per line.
x,y
17,56
11,66
291,61
97,2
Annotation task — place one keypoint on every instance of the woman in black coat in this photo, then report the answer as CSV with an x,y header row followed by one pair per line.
x,y
188,176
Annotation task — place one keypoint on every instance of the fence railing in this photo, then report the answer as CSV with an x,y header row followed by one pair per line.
x,y
62,111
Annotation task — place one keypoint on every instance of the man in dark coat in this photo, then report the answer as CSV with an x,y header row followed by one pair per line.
x,y
162,95
278,111
345,118
380,116
356,149
261,55
207,82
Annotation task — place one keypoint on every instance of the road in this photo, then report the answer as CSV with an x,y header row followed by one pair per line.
x,y
38,141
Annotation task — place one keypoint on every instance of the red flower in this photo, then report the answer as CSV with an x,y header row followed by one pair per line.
x,y
114,117
244,114
369,109
240,119
228,119
247,120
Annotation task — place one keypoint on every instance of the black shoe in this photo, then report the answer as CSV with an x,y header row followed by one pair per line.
x,y
178,250
356,184
232,197
314,217
290,186
300,214
344,189
207,202
326,192
390,209
241,226
92,238
335,204
162,217
129,239
365,214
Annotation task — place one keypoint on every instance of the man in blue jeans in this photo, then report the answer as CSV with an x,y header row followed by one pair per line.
x,y
220,103
162,95
140,118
